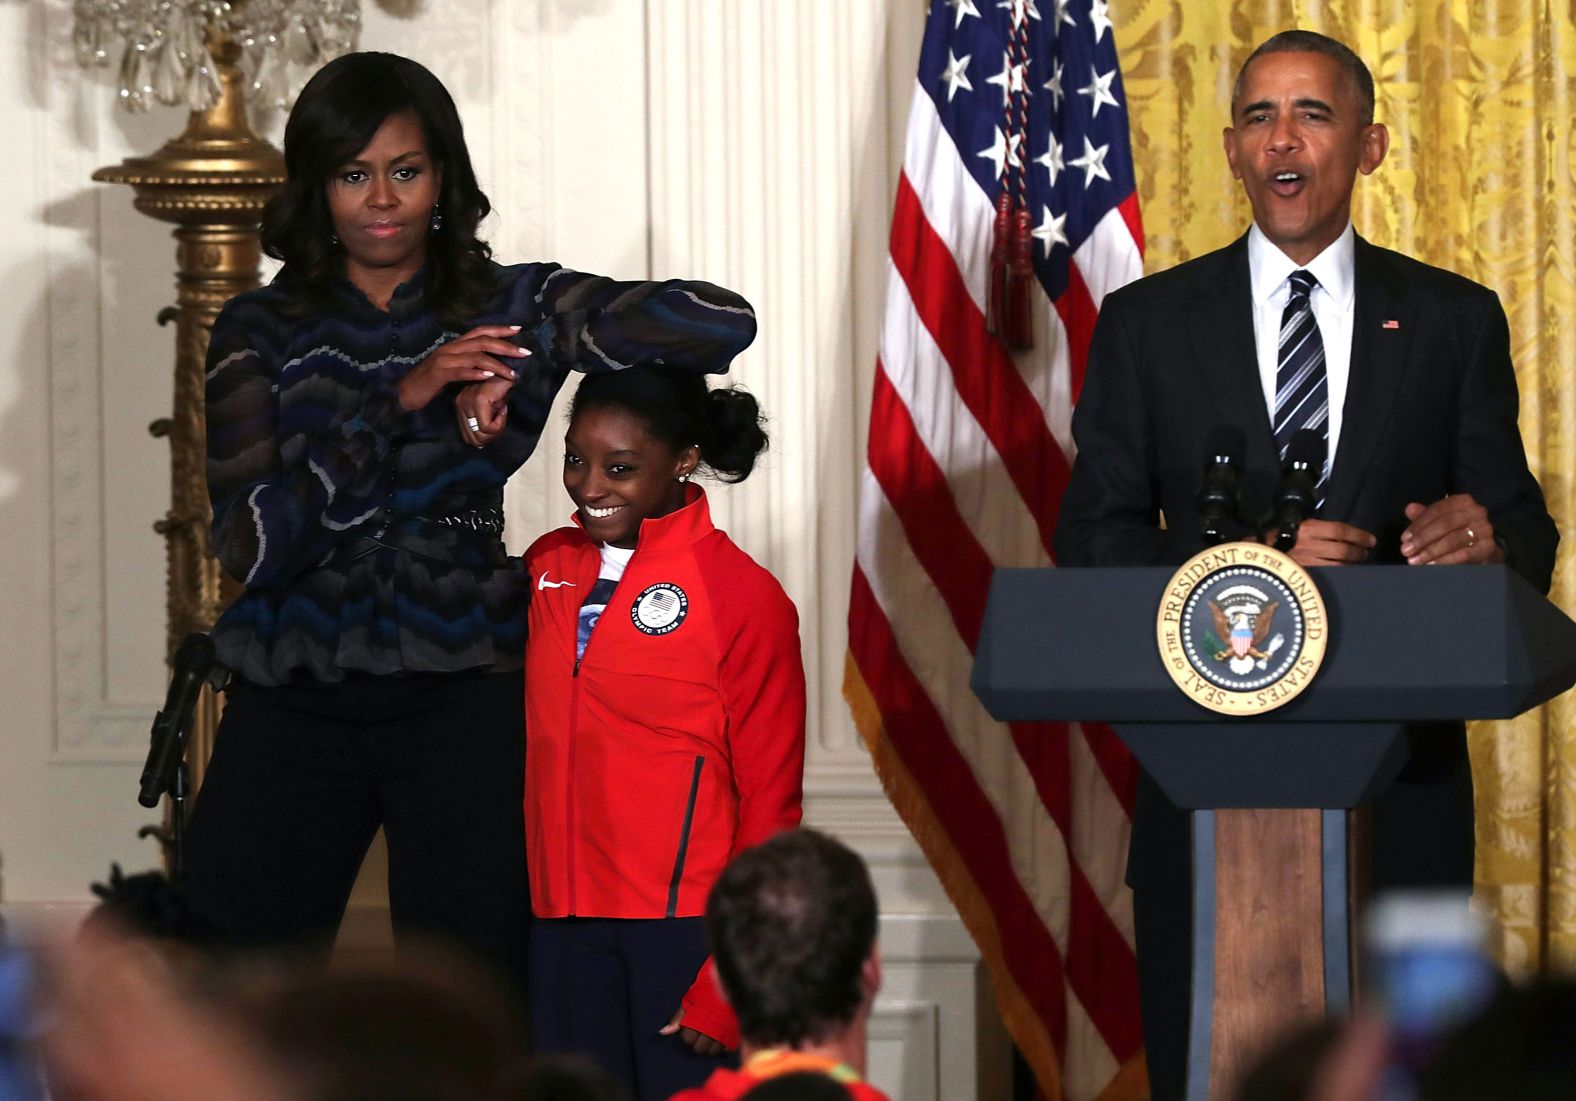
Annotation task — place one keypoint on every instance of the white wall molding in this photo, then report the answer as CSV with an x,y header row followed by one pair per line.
x,y
905,1049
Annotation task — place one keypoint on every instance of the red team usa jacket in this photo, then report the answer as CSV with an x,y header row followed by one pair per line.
x,y
677,740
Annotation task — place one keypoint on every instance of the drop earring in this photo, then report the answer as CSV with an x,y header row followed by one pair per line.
x,y
437,219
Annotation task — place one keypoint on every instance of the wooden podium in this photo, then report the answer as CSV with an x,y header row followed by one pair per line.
x,y
1271,796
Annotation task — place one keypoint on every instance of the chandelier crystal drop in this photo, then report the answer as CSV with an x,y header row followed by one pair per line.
x,y
163,46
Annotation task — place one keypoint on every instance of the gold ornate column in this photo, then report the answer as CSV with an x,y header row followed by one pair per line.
x,y
212,182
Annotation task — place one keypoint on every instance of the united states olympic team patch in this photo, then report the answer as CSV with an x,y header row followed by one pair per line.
x,y
1242,629
659,609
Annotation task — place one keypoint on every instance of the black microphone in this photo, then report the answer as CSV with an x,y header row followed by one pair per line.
x,y
193,662
1295,500
1217,500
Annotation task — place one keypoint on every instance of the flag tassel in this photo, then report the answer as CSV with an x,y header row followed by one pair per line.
x,y
996,295
1020,277
1007,310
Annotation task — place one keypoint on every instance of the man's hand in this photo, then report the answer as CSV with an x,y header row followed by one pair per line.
x,y
1355,1066
1451,532
1327,543
486,404
703,1044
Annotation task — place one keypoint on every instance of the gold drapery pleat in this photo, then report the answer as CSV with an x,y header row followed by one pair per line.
x,y
1478,97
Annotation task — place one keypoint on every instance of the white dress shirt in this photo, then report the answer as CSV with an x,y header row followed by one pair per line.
x,y
1269,270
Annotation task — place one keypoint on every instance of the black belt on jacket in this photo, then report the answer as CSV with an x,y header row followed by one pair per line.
x,y
472,537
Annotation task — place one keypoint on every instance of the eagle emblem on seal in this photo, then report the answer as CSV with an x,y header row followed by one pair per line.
x,y
1244,619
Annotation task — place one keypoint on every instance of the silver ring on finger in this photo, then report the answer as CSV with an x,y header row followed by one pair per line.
x,y
473,424
1471,538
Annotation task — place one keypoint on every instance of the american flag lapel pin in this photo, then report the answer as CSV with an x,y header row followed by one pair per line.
x,y
1391,324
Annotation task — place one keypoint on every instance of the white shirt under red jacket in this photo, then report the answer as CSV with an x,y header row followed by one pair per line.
x,y
674,743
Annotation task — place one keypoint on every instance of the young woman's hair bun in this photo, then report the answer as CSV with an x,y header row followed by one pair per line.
x,y
734,437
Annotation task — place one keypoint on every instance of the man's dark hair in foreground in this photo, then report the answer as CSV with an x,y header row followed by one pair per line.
x,y
792,925
798,1087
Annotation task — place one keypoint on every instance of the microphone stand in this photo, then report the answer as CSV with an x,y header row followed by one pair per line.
x,y
166,772
172,835
172,838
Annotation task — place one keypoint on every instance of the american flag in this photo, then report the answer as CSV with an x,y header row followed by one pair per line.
x,y
970,449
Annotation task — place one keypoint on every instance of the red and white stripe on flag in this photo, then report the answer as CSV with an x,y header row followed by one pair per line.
x,y
970,447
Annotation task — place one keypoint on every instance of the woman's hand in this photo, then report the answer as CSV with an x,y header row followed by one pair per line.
x,y
486,406
470,358
703,1044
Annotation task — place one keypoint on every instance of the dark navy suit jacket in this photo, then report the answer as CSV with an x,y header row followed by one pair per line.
x,y
1431,409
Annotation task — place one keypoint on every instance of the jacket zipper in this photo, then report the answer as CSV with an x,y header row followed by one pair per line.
x,y
684,838
574,721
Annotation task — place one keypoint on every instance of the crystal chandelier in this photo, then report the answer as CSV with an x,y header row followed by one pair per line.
x,y
163,45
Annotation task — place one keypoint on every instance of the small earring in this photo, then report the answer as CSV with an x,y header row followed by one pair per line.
x,y
685,476
333,240
437,219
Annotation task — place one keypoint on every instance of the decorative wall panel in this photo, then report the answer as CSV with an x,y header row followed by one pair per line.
x,y
109,373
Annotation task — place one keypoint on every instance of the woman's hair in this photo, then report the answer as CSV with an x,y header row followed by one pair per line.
x,y
678,408
335,117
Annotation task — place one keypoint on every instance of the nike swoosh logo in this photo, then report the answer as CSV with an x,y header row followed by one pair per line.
x,y
543,583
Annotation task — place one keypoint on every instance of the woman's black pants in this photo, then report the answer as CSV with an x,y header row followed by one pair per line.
x,y
301,778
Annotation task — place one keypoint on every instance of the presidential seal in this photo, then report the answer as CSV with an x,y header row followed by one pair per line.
x,y
1242,629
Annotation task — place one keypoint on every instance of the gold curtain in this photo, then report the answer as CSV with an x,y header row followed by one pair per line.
x,y
1478,97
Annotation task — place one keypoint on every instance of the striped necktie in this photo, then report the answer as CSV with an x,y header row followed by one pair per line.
x,y
1302,392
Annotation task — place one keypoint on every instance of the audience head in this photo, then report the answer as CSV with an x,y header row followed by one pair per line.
x,y
637,435
350,104
412,1031
792,924
123,1020
799,1086
128,1020
567,1078
1522,1046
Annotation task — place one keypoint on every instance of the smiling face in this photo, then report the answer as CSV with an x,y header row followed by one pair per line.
x,y
381,201
618,474
1297,142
